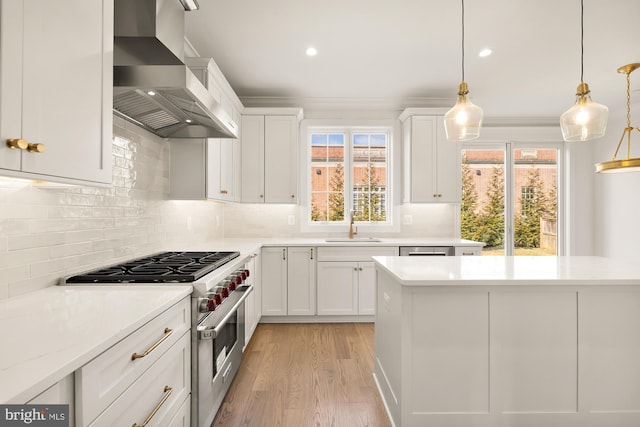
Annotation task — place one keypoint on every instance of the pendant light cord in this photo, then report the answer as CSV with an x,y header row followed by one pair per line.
x,y
581,41
462,40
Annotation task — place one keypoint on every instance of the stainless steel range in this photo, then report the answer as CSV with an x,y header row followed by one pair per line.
x,y
220,286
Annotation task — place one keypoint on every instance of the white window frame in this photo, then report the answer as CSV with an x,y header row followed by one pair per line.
x,y
510,199
349,127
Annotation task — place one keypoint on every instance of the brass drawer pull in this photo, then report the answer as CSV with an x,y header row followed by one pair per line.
x,y
167,333
36,148
18,143
167,393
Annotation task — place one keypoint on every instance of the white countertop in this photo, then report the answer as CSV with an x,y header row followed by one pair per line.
x,y
244,244
520,270
48,334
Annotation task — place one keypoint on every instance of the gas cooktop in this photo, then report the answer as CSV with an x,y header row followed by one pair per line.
x,y
164,267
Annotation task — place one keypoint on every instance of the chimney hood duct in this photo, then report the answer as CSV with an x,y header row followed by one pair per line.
x,y
153,87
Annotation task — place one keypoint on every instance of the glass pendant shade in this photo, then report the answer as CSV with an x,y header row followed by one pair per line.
x,y
586,119
464,120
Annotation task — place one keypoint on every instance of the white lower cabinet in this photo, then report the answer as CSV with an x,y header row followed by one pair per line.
x,y
143,379
183,416
253,303
338,288
59,393
346,279
288,281
301,282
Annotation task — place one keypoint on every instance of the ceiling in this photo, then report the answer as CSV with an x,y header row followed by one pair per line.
x,y
408,52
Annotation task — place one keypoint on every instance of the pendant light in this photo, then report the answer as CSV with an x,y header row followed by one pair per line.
x,y
463,121
628,164
586,119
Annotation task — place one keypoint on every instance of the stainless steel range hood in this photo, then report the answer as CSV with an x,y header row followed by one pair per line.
x,y
152,86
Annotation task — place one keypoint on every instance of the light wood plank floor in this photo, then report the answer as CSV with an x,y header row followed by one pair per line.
x,y
303,375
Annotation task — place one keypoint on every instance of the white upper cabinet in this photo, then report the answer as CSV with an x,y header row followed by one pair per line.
x,y
270,155
56,81
431,164
209,168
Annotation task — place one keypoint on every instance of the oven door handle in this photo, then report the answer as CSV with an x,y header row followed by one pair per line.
x,y
209,333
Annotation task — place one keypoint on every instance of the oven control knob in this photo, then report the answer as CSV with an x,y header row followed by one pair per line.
x,y
246,273
242,275
207,304
225,292
218,299
230,283
239,279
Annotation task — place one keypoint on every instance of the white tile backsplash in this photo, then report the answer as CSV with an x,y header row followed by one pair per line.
x,y
264,220
47,232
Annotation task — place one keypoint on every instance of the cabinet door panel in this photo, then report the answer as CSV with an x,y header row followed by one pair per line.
x,y
337,288
213,173
448,181
66,101
274,281
366,288
420,149
301,289
10,81
252,159
281,159
226,169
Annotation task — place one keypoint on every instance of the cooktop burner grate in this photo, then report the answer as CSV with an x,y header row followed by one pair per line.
x,y
165,267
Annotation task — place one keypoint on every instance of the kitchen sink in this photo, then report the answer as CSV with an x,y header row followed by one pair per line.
x,y
354,240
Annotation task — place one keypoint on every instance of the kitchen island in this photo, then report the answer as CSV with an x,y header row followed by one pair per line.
x,y
508,341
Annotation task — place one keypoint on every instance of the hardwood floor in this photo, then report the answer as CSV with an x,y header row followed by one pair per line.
x,y
302,375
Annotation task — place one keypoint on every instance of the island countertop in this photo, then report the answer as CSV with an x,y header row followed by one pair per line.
x,y
510,270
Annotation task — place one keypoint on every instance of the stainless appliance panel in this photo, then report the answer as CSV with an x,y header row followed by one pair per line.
x,y
427,251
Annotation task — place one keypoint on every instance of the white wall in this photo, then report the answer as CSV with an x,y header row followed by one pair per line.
x,y
46,233
617,201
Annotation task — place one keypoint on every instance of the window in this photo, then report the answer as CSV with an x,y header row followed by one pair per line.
x,y
510,198
348,171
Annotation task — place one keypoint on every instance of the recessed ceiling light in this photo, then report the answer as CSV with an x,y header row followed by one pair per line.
x,y
311,51
151,93
485,52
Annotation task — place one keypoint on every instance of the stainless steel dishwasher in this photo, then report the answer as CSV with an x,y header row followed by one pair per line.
x,y
427,251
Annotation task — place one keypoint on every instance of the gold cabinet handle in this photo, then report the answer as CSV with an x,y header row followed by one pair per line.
x,y
17,143
311,253
167,393
167,334
293,196
284,254
262,196
36,148
224,192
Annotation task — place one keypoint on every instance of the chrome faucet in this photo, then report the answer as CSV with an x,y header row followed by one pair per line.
x,y
351,232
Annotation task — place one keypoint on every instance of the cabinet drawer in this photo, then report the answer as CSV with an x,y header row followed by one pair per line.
x,y
160,391
183,417
102,380
468,251
354,253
